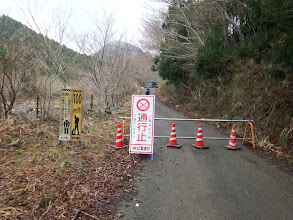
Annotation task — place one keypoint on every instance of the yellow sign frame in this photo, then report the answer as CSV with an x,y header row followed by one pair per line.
x,y
76,115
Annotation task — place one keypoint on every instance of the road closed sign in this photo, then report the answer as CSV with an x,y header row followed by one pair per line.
x,y
76,115
65,115
142,124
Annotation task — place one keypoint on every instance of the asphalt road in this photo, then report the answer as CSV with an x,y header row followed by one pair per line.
x,y
188,183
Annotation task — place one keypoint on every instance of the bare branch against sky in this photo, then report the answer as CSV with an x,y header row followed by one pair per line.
x,y
127,15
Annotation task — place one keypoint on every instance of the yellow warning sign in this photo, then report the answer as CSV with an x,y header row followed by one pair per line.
x,y
77,97
65,115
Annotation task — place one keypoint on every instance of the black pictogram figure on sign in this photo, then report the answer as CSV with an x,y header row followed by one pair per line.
x,y
76,126
66,127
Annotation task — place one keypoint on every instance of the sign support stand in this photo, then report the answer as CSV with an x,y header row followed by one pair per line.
x,y
152,156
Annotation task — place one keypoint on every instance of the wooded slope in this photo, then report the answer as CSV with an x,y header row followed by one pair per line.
x,y
232,59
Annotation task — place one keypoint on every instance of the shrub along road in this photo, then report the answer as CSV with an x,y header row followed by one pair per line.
x,y
188,183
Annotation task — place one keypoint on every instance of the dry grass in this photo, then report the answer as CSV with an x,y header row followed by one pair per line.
x,y
43,180
273,132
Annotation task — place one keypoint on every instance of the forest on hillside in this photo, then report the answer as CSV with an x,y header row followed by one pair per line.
x,y
229,59
34,67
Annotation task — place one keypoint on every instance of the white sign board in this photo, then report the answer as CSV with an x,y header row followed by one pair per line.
x,y
65,115
142,124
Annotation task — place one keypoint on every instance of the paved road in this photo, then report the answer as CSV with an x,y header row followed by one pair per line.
x,y
188,183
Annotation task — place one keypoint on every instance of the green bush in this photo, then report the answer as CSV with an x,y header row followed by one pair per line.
x,y
169,69
212,59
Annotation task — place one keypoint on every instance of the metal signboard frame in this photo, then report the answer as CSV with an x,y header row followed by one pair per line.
x,y
142,124
65,115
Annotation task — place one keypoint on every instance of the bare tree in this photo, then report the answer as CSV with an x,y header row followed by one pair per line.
x,y
49,50
16,67
153,31
108,62
181,29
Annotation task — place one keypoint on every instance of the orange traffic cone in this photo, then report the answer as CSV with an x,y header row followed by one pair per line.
x,y
119,141
232,142
199,139
173,141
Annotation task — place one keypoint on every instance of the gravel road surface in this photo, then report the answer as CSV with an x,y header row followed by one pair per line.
x,y
188,183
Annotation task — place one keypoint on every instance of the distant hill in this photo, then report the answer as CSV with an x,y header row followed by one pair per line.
x,y
115,46
10,27
71,61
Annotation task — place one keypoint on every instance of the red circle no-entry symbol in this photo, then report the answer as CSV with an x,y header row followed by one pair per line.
x,y
143,105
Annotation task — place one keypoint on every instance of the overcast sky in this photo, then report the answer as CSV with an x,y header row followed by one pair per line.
x,y
127,13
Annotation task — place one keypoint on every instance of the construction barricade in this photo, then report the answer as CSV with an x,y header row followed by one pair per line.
x,y
199,139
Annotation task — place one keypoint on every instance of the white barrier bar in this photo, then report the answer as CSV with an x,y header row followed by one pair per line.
x,y
207,138
125,118
195,119
201,119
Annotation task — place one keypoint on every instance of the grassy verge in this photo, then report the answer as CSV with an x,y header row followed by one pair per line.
x,y
40,179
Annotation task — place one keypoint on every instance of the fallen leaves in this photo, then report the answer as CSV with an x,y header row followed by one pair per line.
x,y
40,179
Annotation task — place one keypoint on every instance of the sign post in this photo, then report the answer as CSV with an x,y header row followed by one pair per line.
x,y
65,115
76,118
142,124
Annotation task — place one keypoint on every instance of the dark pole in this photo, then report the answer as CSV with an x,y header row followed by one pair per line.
x,y
37,110
92,100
